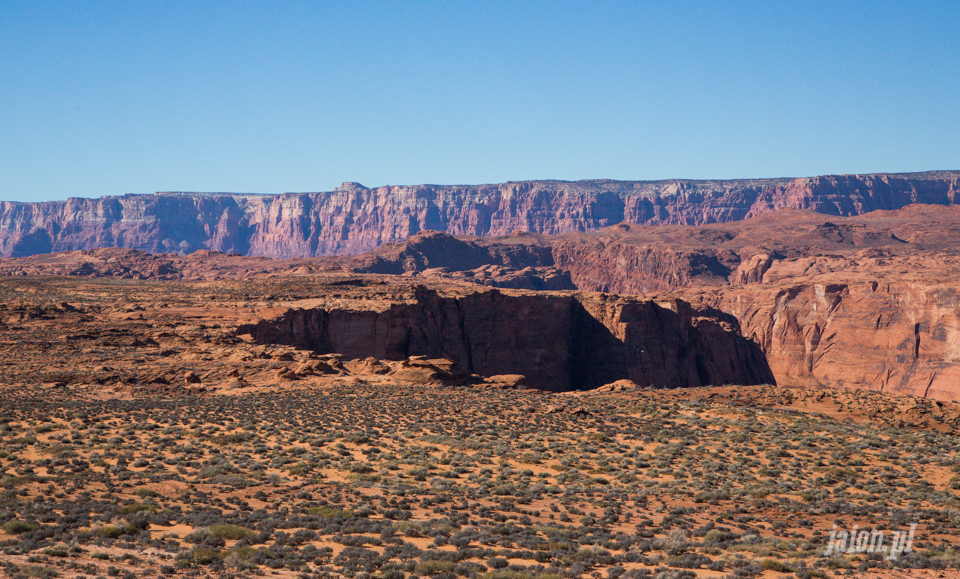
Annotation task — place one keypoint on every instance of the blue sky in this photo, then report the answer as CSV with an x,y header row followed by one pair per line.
x,y
104,98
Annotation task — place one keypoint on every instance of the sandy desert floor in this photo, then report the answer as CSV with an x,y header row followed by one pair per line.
x,y
141,436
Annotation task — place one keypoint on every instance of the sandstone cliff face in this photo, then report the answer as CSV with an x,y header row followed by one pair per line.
x,y
855,326
353,219
559,342
867,301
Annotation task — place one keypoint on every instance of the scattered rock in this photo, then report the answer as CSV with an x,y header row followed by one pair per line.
x,y
618,386
507,381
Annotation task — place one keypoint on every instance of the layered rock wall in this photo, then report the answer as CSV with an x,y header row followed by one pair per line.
x,y
559,342
353,219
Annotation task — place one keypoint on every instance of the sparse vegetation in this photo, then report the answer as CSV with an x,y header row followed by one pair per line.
x,y
374,480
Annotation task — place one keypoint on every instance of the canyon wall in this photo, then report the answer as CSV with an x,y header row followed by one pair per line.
x,y
559,342
353,219
851,327
867,301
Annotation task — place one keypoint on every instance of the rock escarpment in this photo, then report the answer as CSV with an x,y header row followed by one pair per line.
x,y
856,326
559,342
353,219
867,301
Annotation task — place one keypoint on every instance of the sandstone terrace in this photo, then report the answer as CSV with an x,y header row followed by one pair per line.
x,y
868,301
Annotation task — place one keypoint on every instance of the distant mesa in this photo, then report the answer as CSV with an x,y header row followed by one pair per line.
x,y
353,219
867,301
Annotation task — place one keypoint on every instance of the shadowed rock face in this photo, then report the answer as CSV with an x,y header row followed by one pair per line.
x,y
559,342
867,301
353,219
853,328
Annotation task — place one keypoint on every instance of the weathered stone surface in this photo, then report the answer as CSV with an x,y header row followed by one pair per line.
x,y
558,342
353,219
866,301
852,328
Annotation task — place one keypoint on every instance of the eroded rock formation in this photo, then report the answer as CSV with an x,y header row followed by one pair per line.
x,y
867,301
558,342
353,219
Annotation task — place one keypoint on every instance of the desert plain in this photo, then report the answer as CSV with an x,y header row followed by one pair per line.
x,y
146,430
545,392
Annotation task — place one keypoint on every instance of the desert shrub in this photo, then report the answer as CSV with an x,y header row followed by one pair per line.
x,y
497,563
204,555
717,537
512,574
233,438
749,570
58,551
114,532
31,571
136,508
16,527
689,561
434,567
774,565
714,495
356,438
675,574
204,537
331,512
615,572
469,569
674,543
240,553
231,532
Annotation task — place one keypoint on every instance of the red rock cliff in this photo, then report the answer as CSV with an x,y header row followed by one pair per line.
x,y
558,341
353,219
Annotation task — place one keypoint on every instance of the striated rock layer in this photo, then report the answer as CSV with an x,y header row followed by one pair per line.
x,y
559,342
867,301
855,326
353,219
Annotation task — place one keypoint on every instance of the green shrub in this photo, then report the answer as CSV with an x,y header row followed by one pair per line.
x,y
58,551
113,532
31,571
331,512
136,508
716,536
231,532
715,495
205,555
16,527
233,438
508,574
774,565
433,567
244,553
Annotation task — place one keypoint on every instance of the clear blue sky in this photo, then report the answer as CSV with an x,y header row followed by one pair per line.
x,y
105,98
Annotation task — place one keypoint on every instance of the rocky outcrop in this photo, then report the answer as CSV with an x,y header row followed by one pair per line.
x,y
353,219
558,342
867,301
854,327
